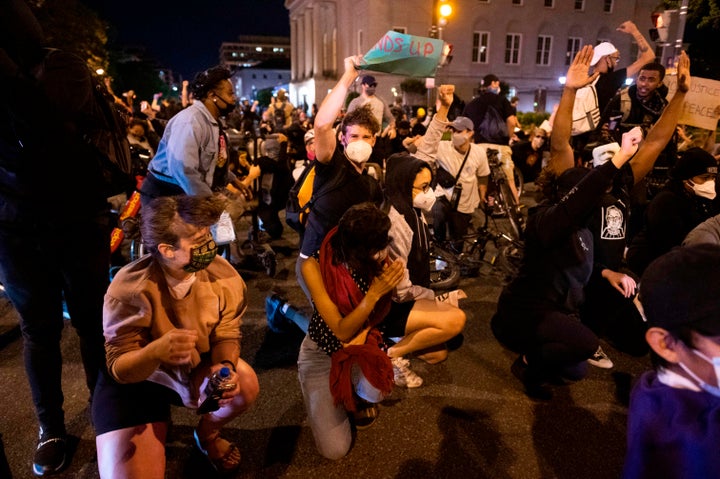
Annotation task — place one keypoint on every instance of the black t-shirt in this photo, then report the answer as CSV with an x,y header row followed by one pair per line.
x,y
344,187
477,108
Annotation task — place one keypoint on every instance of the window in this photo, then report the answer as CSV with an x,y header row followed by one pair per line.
x,y
573,46
512,49
608,6
481,42
544,47
402,30
517,2
579,4
550,3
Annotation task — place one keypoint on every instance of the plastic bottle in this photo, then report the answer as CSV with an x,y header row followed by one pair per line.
x,y
214,390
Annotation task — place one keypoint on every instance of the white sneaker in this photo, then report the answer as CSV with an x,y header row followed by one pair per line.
x,y
404,376
600,359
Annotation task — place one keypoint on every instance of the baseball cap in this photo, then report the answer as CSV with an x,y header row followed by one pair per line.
x,y
603,153
602,49
309,135
368,80
462,123
693,162
681,287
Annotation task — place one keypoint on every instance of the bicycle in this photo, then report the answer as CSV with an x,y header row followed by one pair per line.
x,y
500,197
450,262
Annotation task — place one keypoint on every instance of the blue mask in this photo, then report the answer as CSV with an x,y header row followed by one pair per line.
x,y
708,388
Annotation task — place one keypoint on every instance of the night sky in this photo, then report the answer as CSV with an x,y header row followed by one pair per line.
x,y
186,36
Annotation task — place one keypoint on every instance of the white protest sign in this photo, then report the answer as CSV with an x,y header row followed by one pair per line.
x,y
701,102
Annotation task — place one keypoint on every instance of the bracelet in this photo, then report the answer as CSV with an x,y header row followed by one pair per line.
x,y
229,364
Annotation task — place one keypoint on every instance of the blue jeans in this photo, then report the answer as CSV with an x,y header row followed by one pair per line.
x,y
330,424
41,264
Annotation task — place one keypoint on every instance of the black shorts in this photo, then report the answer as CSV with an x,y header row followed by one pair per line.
x,y
119,406
396,321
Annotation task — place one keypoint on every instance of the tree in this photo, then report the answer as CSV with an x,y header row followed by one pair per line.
x,y
701,25
71,26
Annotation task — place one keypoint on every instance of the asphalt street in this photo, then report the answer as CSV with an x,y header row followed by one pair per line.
x,y
470,418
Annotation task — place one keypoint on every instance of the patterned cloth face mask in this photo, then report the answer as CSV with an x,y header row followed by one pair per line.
x,y
201,256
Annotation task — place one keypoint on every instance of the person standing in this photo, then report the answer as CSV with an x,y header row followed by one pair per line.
x,y
382,112
193,154
494,121
280,111
54,218
610,80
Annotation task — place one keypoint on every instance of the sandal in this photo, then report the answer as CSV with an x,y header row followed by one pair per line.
x,y
365,417
229,461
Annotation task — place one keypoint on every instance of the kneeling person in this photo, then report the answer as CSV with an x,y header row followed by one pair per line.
x,y
165,336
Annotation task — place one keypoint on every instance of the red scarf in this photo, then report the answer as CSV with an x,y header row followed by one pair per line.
x,y
373,362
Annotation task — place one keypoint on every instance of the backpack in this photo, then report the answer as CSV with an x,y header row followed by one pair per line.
x,y
586,111
106,132
492,128
300,199
279,115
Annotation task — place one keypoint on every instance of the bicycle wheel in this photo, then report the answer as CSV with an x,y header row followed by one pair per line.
x,y
519,180
510,257
444,270
511,208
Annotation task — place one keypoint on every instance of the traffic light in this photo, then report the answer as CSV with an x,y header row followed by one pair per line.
x,y
663,21
444,10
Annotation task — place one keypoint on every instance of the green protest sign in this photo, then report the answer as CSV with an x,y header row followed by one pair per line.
x,y
402,54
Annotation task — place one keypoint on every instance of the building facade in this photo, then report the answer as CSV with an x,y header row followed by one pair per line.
x,y
528,44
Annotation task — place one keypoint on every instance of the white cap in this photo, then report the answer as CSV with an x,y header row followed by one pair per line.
x,y
602,49
602,154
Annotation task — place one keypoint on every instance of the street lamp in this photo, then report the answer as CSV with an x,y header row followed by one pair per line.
x,y
442,10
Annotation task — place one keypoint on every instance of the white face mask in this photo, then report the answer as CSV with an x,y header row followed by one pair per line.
x,y
358,151
715,361
458,139
424,200
704,190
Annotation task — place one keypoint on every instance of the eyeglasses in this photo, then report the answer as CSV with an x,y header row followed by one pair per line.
x,y
372,84
614,59
424,187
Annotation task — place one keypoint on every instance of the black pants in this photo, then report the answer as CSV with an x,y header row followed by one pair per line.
x,y
553,341
614,317
446,220
42,263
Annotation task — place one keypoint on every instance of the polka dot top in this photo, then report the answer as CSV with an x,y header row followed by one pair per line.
x,y
320,332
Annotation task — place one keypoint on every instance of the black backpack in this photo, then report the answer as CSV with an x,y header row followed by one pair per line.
x,y
108,135
279,114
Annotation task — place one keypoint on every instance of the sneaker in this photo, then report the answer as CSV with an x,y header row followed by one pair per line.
x,y
600,359
404,376
50,454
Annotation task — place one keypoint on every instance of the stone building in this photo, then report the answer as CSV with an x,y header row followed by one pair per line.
x,y
527,43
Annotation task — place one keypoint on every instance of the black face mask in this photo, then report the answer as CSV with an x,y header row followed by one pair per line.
x,y
227,109
201,256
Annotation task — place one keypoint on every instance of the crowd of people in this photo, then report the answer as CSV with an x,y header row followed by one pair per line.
x,y
612,250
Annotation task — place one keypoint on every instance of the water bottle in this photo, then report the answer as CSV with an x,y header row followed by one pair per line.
x,y
216,386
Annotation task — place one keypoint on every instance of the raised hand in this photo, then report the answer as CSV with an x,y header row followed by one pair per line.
x,y
683,72
577,75
446,94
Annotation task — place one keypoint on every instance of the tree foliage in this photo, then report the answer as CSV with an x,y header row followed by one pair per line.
x,y
701,26
71,26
